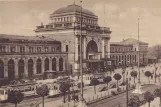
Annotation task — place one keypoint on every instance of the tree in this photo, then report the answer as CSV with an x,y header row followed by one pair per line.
x,y
148,97
94,82
15,97
107,80
79,85
42,91
157,93
148,74
64,87
134,75
134,101
117,77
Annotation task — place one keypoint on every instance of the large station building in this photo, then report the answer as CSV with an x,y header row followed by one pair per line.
x,y
65,25
56,46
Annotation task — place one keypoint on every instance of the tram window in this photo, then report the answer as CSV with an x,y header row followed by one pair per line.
x,y
1,92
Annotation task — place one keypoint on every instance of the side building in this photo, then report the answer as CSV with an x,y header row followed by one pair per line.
x,y
125,53
29,56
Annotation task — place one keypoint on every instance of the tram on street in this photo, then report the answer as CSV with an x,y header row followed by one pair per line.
x,y
29,89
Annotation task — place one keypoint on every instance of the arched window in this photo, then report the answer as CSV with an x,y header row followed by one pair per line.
x,y
11,70
54,64
30,68
61,64
20,68
46,64
38,66
1,69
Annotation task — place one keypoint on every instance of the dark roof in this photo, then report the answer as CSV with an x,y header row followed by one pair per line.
x,y
27,38
73,8
129,41
132,41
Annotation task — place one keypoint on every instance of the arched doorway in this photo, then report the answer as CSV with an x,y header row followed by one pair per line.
x,y
11,70
91,50
38,66
54,64
30,68
61,64
20,69
1,69
46,64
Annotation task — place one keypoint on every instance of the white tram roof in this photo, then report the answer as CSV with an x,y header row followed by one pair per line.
x,y
46,81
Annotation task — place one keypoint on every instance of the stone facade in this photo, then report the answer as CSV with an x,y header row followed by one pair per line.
x,y
126,52
22,56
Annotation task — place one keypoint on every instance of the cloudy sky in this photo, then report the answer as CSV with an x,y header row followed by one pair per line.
x,y
22,16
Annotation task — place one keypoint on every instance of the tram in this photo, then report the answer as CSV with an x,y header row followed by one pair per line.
x,y
29,89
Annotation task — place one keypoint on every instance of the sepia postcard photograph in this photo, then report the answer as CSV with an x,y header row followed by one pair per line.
x,y
80,53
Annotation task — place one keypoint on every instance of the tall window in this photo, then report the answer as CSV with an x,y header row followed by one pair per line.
x,y
30,67
31,49
1,69
38,66
38,49
20,68
61,64
54,64
46,64
66,48
11,70
52,49
13,49
2,48
22,49
46,49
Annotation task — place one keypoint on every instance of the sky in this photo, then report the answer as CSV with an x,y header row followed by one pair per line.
x,y
20,17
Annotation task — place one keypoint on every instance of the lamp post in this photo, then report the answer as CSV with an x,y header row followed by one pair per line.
x,y
127,94
155,72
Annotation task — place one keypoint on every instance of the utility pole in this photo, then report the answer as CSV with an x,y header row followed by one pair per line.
x,y
81,69
138,53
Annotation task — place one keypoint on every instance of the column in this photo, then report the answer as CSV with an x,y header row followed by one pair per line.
x,y
57,64
50,64
64,65
76,54
16,68
42,65
34,67
6,68
103,48
84,48
108,49
26,67
76,48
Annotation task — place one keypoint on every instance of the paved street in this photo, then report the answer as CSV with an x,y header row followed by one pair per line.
x,y
119,99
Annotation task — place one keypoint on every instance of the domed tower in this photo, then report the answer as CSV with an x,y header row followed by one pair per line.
x,y
65,27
